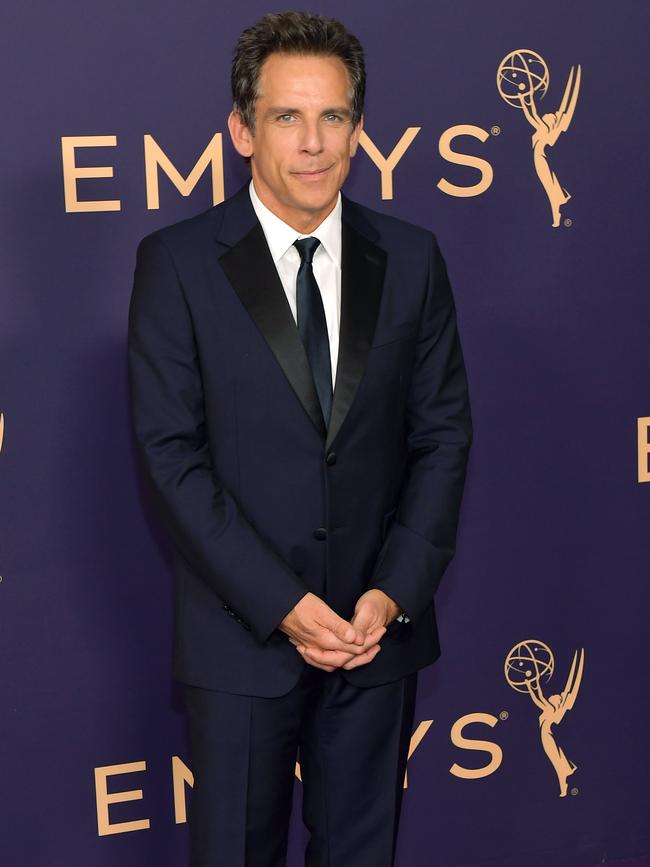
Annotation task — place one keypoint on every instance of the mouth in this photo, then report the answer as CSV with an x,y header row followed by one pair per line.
x,y
312,175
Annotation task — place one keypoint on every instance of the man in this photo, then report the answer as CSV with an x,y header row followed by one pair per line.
x,y
311,524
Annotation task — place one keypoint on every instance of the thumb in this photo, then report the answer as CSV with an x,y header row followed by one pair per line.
x,y
364,617
345,631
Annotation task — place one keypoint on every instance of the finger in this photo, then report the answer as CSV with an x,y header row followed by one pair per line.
x,y
337,656
366,617
373,637
358,661
301,649
319,665
321,637
334,658
362,618
327,640
330,660
344,631
364,659
322,667
337,659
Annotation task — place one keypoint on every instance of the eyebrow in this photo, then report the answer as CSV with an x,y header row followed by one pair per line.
x,y
280,109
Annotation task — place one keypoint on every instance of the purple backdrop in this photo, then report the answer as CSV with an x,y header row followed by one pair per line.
x,y
553,538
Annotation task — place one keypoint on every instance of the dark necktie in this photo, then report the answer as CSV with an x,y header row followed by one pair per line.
x,y
312,325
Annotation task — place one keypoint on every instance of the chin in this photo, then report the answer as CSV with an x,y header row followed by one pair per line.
x,y
317,201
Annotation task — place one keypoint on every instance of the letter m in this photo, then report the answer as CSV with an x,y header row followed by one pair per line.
x,y
155,157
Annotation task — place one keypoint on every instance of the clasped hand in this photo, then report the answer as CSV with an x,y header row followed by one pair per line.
x,y
328,641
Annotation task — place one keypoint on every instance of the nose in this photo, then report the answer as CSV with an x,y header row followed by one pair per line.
x,y
311,141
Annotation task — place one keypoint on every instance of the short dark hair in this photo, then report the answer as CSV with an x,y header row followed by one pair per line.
x,y
293,33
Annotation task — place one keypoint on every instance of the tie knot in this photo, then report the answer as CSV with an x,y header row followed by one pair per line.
x,y
306,247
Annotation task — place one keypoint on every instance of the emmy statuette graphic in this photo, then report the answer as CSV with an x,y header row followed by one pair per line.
x,y
522,74
527,663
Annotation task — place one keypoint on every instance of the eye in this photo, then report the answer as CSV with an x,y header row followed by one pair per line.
x,y
285,118
334,118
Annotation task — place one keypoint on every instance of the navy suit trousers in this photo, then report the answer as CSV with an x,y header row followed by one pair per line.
x,y
352,743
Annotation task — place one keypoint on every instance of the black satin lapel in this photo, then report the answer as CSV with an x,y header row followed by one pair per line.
x,y
250,268
362,276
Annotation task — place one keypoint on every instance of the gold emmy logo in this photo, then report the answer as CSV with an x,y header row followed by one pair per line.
x,y
522,74
526,665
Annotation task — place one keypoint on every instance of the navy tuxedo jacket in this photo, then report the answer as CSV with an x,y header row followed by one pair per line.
x,y
262,502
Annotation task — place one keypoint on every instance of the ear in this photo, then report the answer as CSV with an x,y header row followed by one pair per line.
x,y
242,137
354,138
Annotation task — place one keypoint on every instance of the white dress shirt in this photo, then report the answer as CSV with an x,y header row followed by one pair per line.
x,y
326,263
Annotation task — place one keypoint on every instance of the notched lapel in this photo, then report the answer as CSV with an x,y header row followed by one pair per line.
x,y
249,267
363,265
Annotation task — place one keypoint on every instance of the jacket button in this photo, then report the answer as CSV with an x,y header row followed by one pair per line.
x,y
320,533
330,460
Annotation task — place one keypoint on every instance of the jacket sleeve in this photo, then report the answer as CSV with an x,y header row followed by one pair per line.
x,y
201,515
422,539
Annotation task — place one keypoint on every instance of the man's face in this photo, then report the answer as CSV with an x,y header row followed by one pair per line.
x,y
300,151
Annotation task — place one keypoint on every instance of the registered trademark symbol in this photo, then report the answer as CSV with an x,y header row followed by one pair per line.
x,y
503,714
495,130
568,221
574,791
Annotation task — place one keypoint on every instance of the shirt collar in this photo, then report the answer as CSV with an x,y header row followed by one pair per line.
x,y
280,236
